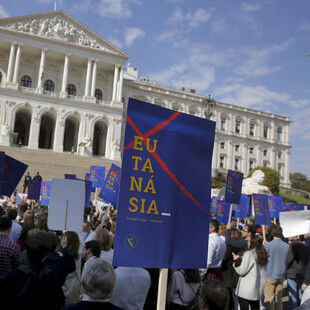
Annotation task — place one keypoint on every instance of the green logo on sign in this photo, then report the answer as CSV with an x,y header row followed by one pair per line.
x,y
130,242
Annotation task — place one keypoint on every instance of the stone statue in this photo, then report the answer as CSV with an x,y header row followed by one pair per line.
x,y
255,184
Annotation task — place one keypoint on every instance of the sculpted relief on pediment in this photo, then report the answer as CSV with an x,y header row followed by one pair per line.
x,y
58,28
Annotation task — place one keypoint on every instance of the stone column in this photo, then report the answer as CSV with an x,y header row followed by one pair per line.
x,y
273,158
34,132
230,156
245,159
120,86
286,169
259,156
116,73
17,63
11,62
215,155
65,76
94,78
41,70
59,135
88,75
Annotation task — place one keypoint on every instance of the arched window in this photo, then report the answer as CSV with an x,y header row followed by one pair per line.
x,y
0,77
71,90
98,94
49,85
26,81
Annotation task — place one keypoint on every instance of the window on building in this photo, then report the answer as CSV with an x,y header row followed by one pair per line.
x,y
222,161
223,124
237,128
98,94
49,85
237,161
265,132
71,90
252,128
26,81
237,148
251,150
265,163
251,164
279,155
265,152
222,145
279,133
0,77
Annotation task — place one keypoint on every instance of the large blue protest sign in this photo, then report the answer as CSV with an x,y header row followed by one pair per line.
x,y
34,189
233,186
223,210
110,188
261,209
293,207
241,210
45,193
165,185
13,170
97,176
275,205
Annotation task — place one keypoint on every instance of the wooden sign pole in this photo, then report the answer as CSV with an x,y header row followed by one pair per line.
x,y
162,289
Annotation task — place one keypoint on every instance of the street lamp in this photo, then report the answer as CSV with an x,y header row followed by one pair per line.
x,y
209,104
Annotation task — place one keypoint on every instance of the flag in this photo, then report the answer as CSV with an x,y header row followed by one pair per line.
x,y
293,207
261,209
241,210
233,186
214,203
13,170
110,187
97,176
70,176
45,193
34,189
275,205
223,210
165,184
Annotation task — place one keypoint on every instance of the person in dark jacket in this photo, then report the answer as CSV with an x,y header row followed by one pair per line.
x,y
33,285
297,260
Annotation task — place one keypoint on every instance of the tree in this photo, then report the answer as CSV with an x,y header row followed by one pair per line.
x,y
272,179
300,181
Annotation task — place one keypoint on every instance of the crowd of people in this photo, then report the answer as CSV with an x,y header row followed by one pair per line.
x,y
45,269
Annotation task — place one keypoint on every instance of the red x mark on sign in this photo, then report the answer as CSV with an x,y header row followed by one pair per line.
x,y
271,201
230,178
258,204
156,156
93,172
115,174
6,164
44,187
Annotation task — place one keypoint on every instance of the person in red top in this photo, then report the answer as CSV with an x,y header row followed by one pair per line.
x,y
10,255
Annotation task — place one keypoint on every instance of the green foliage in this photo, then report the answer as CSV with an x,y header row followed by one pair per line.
x,y
219,182
300,181
294,199
272,179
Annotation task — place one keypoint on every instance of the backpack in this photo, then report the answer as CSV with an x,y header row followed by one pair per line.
x,y
194,304
29,285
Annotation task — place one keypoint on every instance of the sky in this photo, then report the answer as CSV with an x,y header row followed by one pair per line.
x,y
253,54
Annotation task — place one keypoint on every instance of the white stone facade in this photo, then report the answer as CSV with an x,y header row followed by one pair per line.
x,y
64,86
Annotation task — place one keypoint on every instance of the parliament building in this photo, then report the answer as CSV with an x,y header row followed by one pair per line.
x,y
65,88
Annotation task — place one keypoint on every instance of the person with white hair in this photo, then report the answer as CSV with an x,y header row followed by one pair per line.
x,y
98,282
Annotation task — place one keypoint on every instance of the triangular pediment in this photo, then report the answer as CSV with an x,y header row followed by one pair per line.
x,y
60,26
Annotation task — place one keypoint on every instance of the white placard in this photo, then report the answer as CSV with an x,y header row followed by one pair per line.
x,y
295,223
67,201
